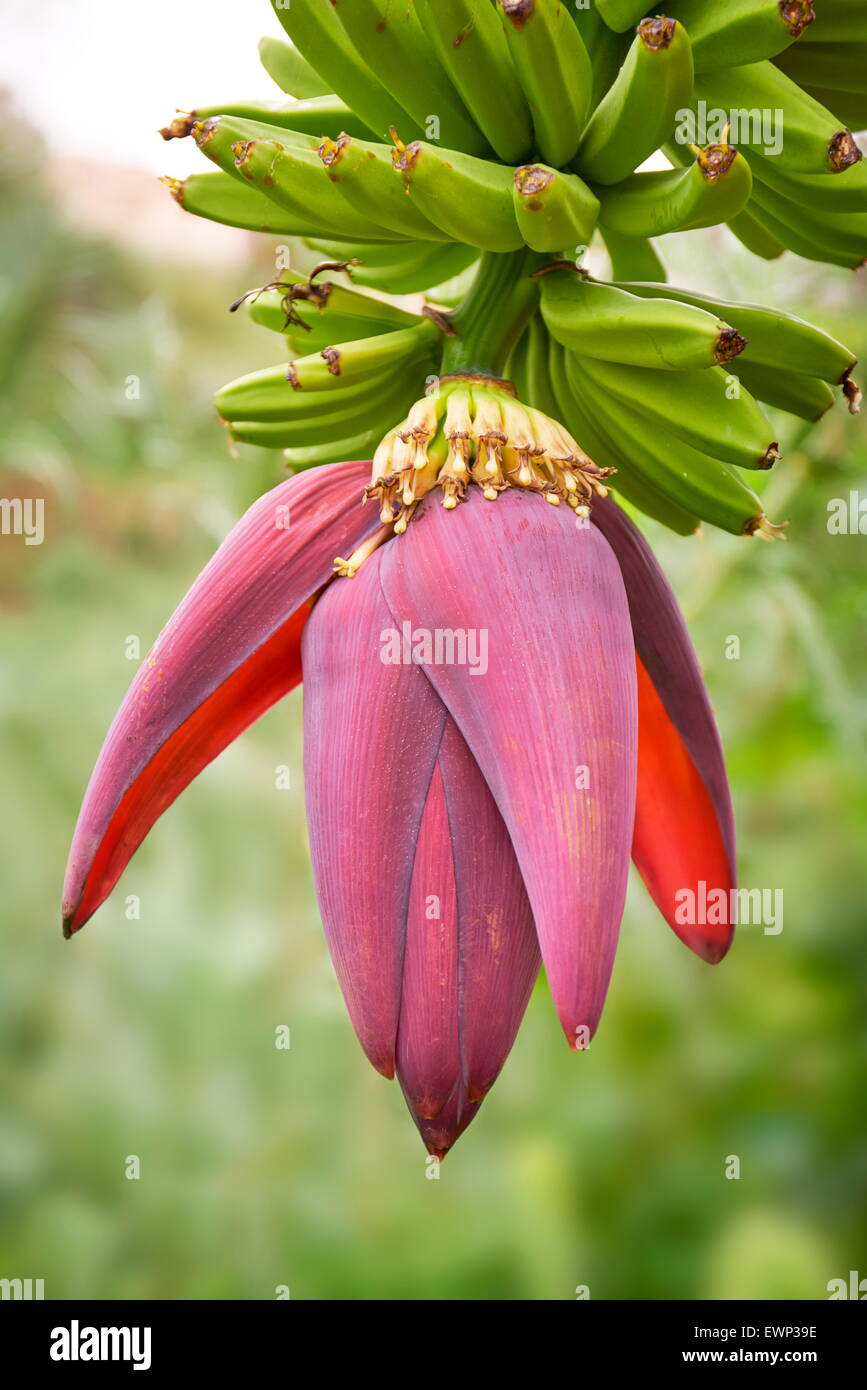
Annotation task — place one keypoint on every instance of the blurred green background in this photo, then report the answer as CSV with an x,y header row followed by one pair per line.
x,y
155,1037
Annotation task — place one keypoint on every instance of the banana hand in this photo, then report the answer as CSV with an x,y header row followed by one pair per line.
x,y
594,433
694,479
698,407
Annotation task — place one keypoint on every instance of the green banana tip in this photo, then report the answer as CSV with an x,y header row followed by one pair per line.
x,y
180,127
403,157
203,131
843,151
715,161
797,15
175,187
531,180
656,34
519,12
331,151
729,344
765,530
770,457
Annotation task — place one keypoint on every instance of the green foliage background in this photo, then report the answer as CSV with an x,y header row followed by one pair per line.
x,y
156,1038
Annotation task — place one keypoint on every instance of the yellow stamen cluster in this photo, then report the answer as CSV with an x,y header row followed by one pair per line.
x,y
472,430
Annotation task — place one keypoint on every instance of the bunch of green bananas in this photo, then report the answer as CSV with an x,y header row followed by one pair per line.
x,y
330,402
661,385
426,141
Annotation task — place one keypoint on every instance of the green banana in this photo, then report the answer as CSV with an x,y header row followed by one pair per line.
x,y
277,391
554,70
268,397
839,21
773,337
312,315
845,193
220,198
289,172
468,39
314,27
552,209
397,269
389,33
515,369
632,258
840,239
448,294
622,14
292,73
755,237
639,111
607,49
337,417
593,433
537,369
364,173
849,107
824,250
742,31
697,481
802,135
326,115
833,66
607,322
715,188
805,396
333,423
469,199
357,446
697,406
374,253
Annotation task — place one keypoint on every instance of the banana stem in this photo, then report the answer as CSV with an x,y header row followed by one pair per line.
x,y
494,314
